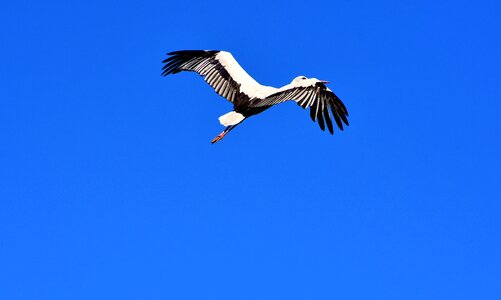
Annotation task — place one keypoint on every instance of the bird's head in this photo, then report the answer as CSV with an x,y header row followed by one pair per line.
x,y
301,78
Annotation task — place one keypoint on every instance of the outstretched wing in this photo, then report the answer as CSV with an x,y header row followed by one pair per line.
x,y
314,94
219,69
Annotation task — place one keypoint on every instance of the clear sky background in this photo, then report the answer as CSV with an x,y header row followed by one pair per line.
x,y
111,189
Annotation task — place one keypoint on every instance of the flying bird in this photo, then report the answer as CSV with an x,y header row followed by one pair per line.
x,y
223,73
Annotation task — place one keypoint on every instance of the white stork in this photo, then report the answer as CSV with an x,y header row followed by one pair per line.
x,y
221,71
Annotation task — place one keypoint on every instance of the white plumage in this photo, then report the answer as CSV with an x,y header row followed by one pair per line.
x,y
231,118
221,71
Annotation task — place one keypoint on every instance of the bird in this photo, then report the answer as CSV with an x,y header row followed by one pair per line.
x,y
225,75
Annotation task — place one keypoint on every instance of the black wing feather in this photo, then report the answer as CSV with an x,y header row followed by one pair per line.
x,y
323,99
205,63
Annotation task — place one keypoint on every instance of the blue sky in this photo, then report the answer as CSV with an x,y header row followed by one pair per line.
x,y
110,188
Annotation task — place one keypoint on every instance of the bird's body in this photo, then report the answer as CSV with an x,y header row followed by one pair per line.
x,y
221,71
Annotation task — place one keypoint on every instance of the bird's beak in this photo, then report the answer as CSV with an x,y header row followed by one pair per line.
x,y
324,81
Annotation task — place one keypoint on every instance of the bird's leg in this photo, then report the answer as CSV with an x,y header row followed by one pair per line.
x,y
222,134
219,137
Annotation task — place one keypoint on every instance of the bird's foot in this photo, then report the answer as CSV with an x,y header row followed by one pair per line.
x,y
219,137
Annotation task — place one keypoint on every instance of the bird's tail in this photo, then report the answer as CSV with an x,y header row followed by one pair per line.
x,y
231,118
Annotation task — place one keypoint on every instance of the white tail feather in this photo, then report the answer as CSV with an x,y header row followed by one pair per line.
x,y
231,118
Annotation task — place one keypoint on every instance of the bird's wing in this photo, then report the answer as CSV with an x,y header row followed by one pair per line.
x,y
314,94
219,69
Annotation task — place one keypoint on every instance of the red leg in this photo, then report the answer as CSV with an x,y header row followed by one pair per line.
x,y
219,137
222,134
